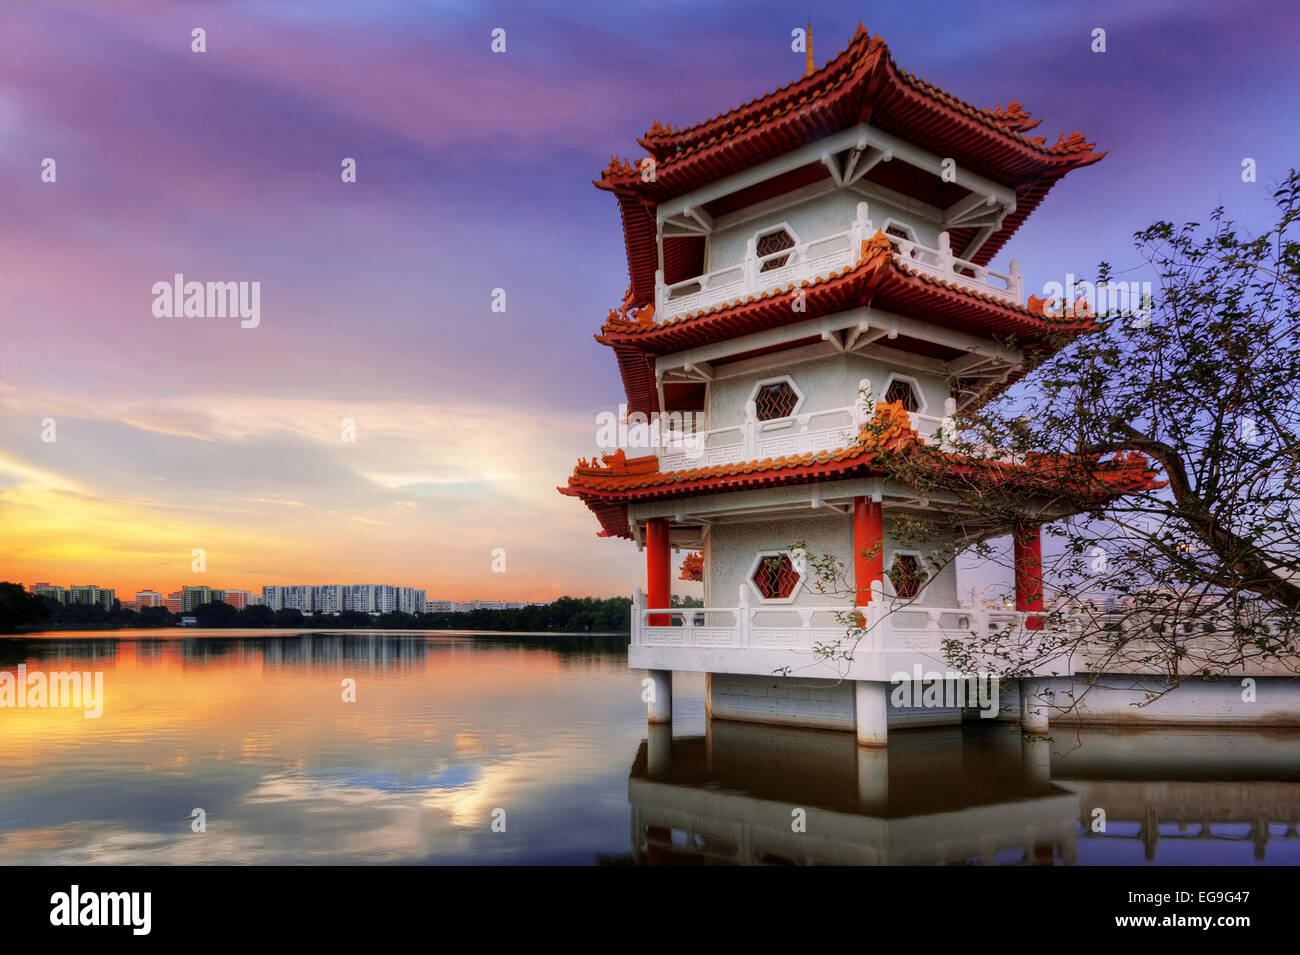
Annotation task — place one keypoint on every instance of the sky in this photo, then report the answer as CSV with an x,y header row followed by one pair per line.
x,y
474,173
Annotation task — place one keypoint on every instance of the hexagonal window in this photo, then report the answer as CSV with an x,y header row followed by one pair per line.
x,y
769,243
775,400
896,230
903,392
906,574
774,577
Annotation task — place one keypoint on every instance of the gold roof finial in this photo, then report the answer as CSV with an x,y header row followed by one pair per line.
x,y
809,67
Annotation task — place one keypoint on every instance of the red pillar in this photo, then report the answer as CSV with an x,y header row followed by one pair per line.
x,y
868,546
1028,551
658,564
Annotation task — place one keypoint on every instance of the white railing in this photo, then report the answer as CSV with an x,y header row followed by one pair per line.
x,y
945,266
811,432
803,261
888,624
743,627
817,258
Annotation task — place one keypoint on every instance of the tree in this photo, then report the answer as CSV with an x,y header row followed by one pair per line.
x,y
215,613
155,617
1200,571
18,608
289,618
256,615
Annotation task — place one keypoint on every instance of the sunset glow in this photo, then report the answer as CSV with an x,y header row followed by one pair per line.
x,y
175,434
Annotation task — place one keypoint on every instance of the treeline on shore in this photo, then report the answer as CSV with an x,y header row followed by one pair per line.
x,y
21,611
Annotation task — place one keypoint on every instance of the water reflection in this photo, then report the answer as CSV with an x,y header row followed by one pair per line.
x,y
740,793
979,794
448,728
254,730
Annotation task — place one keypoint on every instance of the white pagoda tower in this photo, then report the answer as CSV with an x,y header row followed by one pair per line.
x,y
802,265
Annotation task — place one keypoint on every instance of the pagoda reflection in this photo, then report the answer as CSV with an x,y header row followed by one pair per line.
x,y
979,794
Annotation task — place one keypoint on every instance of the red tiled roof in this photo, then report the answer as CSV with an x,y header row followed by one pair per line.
x,y
609,485
862,84
877,278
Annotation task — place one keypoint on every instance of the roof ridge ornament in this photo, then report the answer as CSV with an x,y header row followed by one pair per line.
x,y
1015,117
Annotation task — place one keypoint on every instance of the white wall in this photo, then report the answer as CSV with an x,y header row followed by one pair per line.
x,y
830,382
812,219
733,548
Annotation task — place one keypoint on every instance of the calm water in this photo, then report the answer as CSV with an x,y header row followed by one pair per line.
x,y
448,728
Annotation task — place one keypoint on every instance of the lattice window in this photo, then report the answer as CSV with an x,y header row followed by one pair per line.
x,y
776,400
775,578
900,232
777,241
903,392
906,575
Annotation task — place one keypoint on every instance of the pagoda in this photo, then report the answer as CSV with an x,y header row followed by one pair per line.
x,y
810,273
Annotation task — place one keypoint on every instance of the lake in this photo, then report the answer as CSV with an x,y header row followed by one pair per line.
x,y
480,748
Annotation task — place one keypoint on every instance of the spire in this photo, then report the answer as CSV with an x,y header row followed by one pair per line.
x,y
809,67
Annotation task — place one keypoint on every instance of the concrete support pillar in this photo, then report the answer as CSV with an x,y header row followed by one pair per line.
x,y
1259,834
868,546
872,713
659,707
1068,841
1033,707
873,780
1027,544
1150,835
659,750
658,565
1036,764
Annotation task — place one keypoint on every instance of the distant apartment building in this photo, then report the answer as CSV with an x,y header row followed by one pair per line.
x,y
51,592
148,598
193,596
327,598
298,597
336,598
466,606
307,598
175,601
239,599
360,597
410,600
371,598
92,596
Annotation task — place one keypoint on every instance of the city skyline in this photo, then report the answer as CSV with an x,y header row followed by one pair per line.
x,y
405,599
172,434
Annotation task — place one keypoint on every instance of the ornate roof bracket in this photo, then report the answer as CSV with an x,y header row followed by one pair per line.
x,y
857,139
